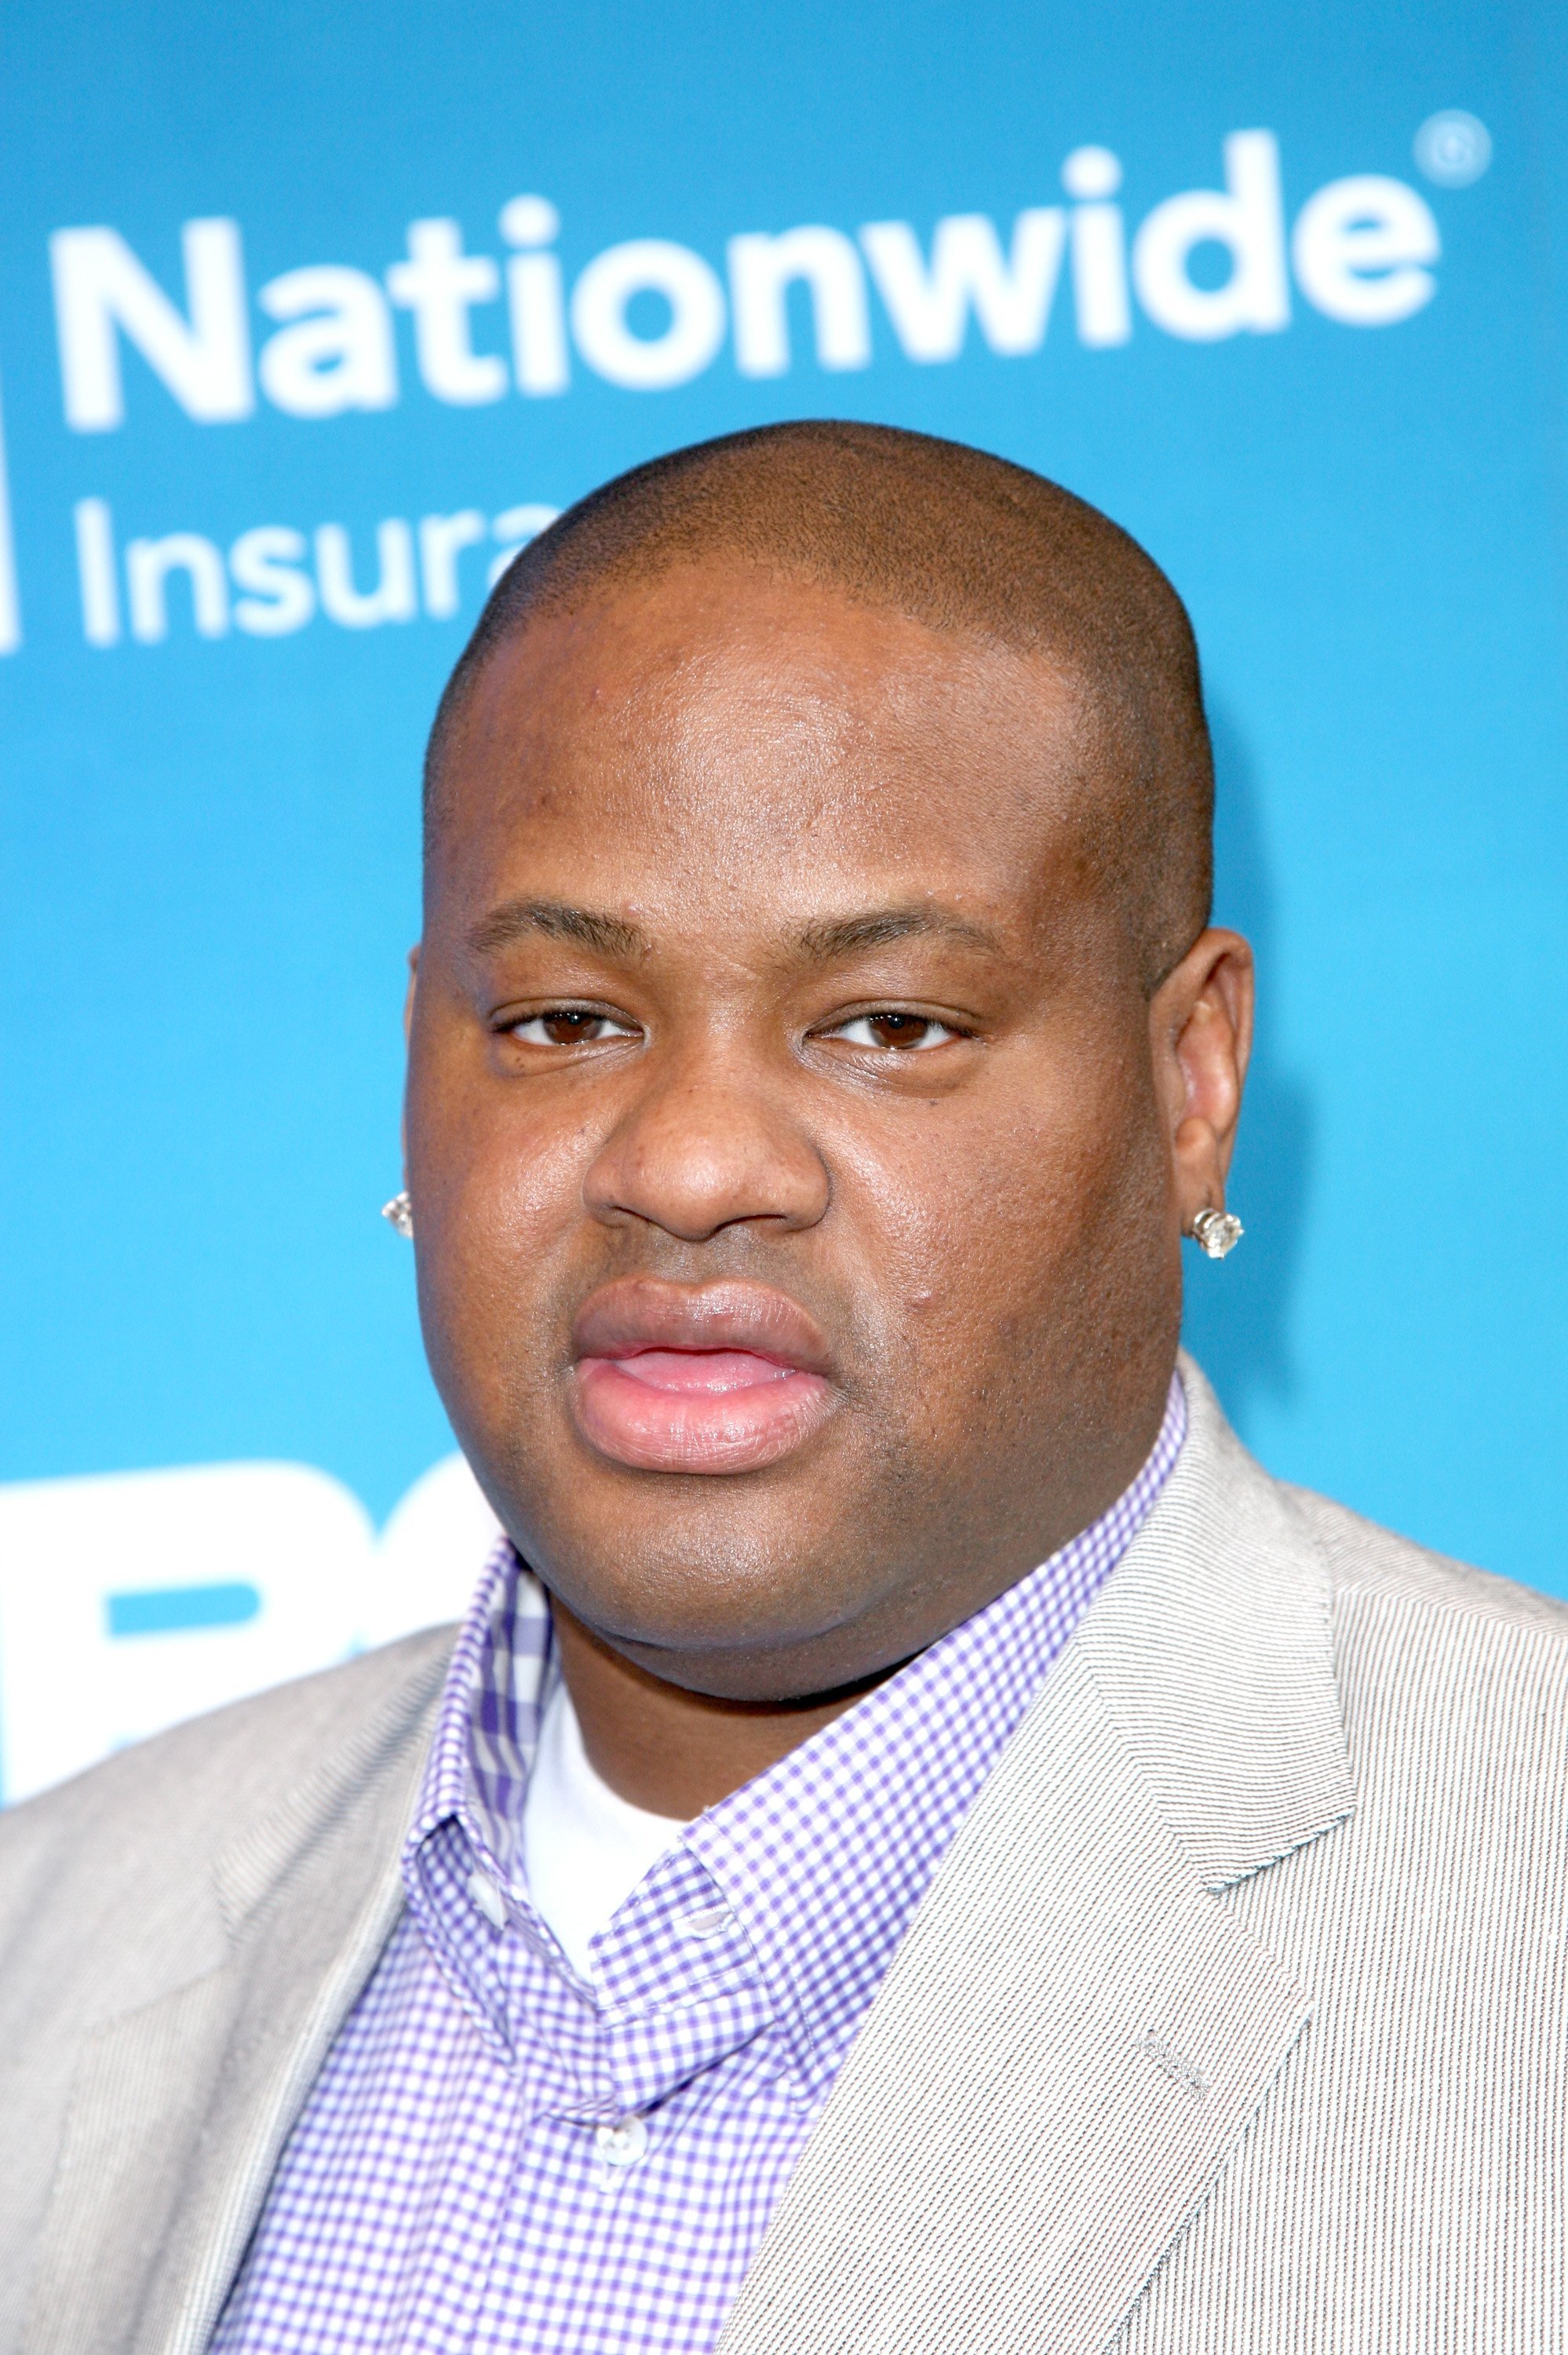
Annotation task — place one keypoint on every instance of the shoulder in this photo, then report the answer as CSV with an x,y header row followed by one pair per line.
x,y
1453,1683
1427,1664
1370,1570
163,1808
1371,1566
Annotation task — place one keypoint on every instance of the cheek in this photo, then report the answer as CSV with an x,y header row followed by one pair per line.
x,y
497,1205
997,1223
1021,1169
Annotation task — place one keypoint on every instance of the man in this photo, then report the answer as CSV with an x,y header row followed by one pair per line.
x,y
936,1850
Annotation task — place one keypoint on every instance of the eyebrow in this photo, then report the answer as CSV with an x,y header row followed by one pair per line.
x,y
842,936
829,938
516,920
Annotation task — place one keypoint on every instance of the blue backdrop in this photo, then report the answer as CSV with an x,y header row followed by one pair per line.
x,y
286,366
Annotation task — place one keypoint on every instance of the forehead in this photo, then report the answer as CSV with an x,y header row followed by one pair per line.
x,y
720,729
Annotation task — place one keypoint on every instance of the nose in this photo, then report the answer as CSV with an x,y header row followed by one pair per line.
x,y
705,1146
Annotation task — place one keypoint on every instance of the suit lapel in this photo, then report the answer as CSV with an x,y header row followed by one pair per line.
x,y
180,2108
1076,2029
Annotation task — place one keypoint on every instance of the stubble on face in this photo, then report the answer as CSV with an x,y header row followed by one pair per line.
x,y
786,817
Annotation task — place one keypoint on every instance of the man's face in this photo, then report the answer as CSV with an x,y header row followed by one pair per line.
x,y
797,1251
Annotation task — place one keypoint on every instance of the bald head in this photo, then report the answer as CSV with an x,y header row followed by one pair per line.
x,y
953,537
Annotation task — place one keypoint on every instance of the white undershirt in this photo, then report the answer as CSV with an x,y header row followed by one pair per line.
x,y
584,1849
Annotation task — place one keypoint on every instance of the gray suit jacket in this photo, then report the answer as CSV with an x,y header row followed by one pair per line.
x,y
1236,2016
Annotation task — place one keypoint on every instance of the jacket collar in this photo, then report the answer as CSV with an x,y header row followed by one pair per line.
x,y
1212,1647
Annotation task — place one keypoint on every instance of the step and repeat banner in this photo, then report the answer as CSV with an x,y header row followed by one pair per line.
x,y
309,318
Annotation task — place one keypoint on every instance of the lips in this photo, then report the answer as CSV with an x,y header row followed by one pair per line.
x,y
710,1378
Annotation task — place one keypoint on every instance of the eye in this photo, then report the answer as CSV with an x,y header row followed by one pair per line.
x,y
900,1031
569,1026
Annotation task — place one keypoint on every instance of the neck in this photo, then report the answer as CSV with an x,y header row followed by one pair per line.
x,y
672,1750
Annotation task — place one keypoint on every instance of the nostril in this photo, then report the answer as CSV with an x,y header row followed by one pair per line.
x,y
693,1173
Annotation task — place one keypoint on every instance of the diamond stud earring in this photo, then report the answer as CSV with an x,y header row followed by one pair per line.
x,y
1216,1232
399,1213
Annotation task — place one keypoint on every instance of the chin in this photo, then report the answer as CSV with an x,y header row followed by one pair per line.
x,y
711,1576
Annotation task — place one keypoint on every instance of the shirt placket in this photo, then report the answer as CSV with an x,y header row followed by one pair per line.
x,y
629,2079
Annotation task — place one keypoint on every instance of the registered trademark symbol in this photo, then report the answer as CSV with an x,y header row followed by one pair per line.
x,y
1452,148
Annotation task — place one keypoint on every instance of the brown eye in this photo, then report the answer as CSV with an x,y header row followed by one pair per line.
x,y
887,1029
569,1026
897,1029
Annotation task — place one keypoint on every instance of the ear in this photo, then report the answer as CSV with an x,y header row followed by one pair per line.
x,y
1201,1035
407,1027
413,985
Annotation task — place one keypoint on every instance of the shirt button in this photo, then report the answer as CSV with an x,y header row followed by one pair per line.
x,y
709,1921
624,2143
488,1898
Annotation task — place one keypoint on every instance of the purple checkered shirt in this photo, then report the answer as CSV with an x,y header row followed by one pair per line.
x,y
495,2157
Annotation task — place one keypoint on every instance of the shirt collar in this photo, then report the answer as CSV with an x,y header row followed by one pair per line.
x,y
487,1730
821,1861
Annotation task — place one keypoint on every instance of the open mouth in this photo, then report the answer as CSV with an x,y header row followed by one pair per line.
x,y
715,1378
